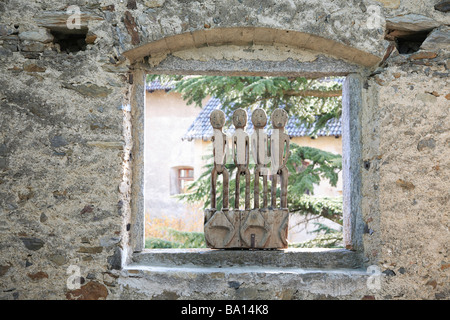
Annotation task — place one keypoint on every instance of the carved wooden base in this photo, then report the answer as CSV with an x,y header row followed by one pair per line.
x,y
251,229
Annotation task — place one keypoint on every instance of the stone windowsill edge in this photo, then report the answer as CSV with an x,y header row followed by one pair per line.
x,y
139,270
218,260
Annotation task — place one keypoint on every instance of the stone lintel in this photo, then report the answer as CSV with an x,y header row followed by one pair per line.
x,y
323,66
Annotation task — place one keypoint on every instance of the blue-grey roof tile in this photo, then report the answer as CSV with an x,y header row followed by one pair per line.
x,y
156,85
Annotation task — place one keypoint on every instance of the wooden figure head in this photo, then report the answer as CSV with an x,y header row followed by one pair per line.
x,y
217,119
240,118
279,118
259,118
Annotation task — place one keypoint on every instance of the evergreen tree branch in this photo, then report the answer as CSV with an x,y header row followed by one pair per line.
x,y
313,93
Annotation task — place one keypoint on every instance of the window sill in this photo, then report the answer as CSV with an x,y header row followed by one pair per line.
x,y
316,258
243,274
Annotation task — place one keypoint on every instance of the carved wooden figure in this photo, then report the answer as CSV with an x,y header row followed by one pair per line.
x,y
264,228
241,152
279,151
219,139
220,226
260,154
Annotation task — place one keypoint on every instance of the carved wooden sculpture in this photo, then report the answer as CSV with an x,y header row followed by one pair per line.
x,y
260,155
219,140
221,225
241,155
279,151
258,228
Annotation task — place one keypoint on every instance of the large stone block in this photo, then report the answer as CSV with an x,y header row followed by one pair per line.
x,y
411,22
439,38
39,35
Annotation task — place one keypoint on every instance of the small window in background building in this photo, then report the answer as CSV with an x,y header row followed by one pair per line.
x,y
185,177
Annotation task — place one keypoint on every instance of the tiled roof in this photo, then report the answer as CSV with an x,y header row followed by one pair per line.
x,y
339,80
156,85
202,129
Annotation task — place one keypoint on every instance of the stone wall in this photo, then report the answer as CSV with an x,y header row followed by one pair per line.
x,y
66,158
405,194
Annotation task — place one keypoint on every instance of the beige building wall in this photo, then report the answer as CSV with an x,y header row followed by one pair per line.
x,y
167,117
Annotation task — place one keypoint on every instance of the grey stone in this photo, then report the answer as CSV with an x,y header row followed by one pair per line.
x,y
131,4
43,218
11,45
33,66
234,284
4,270
255,283
33,244
411,22
4,52
119,68
137,227
115,261
3,163
389,272
4,31
40,35
10,37
439,38
106,144
320,67
57,20
426,143
441,295
443,6
154,3
3,150
58,259
109,241
352,160
90,250
58,141
288,258
32,46
89,90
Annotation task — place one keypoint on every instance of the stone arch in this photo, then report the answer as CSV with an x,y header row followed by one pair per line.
x,y
244,36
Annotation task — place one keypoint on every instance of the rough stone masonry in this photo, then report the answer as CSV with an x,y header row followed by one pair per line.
x,y
69,152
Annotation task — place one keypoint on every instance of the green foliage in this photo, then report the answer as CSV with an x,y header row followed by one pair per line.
x,y
323,228
321,165
181,239
328,240
330,208
267,93
188,239
155,243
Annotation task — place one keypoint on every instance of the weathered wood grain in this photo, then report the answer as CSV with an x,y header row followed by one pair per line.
x,y
265,228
